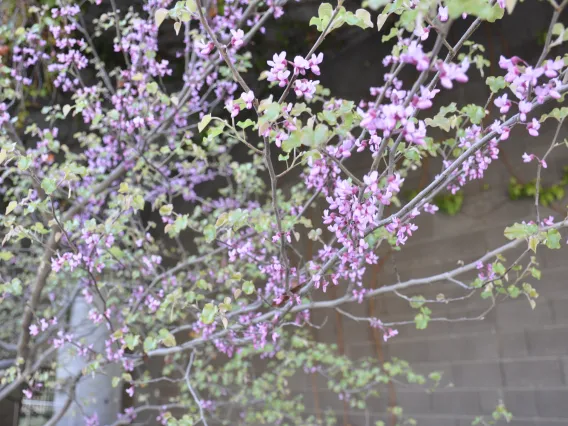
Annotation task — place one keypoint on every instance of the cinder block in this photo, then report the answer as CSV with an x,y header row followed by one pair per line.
x,y
411,351
560,309
521,403
413,402
487,324
435,329
533,373
513,345
481,375
299,381
550,341
357,349
552,403
554,281
455,402
488,400
482,346
554,258
436,421
537,422
514,315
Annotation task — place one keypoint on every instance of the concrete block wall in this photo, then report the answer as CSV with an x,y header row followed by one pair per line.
x,y
515,354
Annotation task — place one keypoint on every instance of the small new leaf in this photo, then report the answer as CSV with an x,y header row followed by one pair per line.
x,y
160,15
11,207
204,122
248,287
166,210
208,313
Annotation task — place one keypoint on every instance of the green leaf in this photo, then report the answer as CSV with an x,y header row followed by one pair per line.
x,y
496,83
245,124
181,223
533,243
381,19
292,142
123,189
209,232
49,186
132,341
166,210
510,5
375,4
271,111
11,206
321,134
325,12
553,238
221,220
138,202
392,33
192,5
24,163
557,113
160,15
66,109
167,338
513,291
6,255
364,18
417,301
248,287
204,122
150,344
474,112
208,313
518,231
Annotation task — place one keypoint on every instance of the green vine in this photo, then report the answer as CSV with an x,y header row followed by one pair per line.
x,y
450,204
548,195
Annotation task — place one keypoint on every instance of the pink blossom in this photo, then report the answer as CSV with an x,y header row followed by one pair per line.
x,y
314,61
502,103
524,108
527,158
533,127
389,333
248,98
306,88
415,55
204,48
237,38
551,67
443,13
451,71
300,65
233,108
430,208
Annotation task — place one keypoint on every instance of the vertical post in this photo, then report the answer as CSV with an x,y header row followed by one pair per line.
x,y
94,393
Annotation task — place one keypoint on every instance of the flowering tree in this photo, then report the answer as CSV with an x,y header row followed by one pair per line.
x,y
212,282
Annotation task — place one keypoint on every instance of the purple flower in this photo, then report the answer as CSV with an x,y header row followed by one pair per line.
x,y
306,88
314,61
533,127
248,98
443,13
502,103
524,108
237,39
